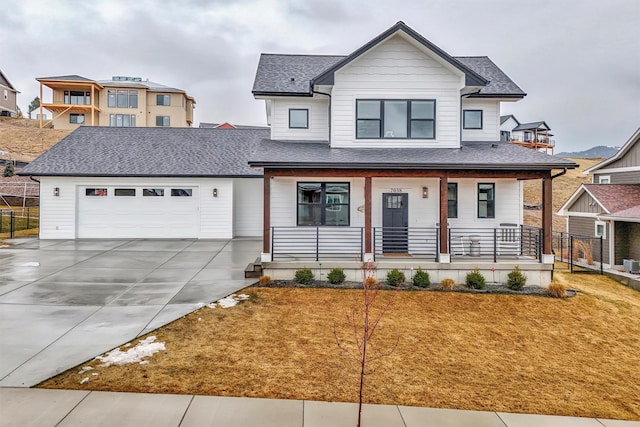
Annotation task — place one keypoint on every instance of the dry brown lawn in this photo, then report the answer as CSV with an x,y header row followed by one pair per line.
x,y
23,140
575,356
563,188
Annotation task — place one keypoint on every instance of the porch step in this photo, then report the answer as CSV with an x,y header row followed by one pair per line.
x,y
253,269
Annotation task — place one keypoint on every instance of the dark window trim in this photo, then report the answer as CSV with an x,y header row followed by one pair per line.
x,y
160,119
306,110
73,118
464,119
323,203
491,204
96,192
409,119
451,214
163,97
124,192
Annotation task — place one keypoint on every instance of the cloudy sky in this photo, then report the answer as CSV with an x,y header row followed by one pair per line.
x,y
578,60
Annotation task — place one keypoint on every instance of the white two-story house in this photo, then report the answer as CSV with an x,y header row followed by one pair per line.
x,y
393,154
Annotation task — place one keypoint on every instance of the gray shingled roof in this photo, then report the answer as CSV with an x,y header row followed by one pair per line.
x,y
290,74
507,117
499,82
472,155
531,126
149,152
275,72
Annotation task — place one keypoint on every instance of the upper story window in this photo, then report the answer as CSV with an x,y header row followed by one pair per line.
x,y
163,121
298,118
601,229
323,203
452,200
77,119
395,119
604,179
77,97
163,99
486,200
122,98
122,120
472,119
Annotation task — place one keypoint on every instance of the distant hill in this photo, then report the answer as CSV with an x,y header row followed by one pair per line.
x,y
598,152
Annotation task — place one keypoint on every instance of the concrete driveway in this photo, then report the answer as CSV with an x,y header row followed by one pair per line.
x,y
64,302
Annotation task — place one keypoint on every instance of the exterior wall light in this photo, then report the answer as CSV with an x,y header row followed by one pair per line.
x,y
425,192
215,192
56,191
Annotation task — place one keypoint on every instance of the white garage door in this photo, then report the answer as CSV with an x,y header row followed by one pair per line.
x,y
138,212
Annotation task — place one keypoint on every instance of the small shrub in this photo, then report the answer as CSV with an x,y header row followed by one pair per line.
x,y
8,169
516,279
557,290
395,277
265,280
304,276
447,284
475,279
336,276
421,278
370,282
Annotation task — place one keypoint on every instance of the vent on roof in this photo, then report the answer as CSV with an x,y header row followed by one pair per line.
x,y
126,79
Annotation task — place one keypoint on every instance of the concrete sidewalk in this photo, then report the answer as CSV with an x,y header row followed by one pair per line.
x,y
21,407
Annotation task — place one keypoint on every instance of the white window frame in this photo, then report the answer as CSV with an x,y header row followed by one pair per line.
x,y
604,179
604,229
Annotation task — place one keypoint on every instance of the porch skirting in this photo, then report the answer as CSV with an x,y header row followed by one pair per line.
x,y
537,274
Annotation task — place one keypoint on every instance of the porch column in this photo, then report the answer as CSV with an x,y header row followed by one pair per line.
x,y
547,219
444,217
41,101
368,249
266,217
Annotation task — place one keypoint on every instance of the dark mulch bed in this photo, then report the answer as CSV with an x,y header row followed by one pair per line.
x,y
491,288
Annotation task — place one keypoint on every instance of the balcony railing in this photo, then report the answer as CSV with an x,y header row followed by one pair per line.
x,y
507,242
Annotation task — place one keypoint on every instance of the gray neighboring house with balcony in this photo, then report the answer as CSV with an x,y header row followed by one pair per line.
x,y
8,97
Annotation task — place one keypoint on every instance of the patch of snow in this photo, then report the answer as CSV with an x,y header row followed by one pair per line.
x,y
145,348
95,374
85,369
84,380
229,301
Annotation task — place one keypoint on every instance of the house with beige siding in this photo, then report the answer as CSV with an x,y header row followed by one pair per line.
x,y
122,101
609,207
392,154
8,97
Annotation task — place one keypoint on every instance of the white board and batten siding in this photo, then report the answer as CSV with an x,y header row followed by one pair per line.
x,y
490,120
397,69
73,214
318,130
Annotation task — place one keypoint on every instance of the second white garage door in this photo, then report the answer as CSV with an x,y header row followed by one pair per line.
x,y
138,212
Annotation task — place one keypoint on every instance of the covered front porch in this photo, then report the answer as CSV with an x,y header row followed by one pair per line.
x,y
480,229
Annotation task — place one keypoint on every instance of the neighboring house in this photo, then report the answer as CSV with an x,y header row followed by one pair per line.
x,y
531,135
227,125
393,154
119,102
610,206
8,97
101,182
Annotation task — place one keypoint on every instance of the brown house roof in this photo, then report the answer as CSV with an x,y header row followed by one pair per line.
x,y
615,197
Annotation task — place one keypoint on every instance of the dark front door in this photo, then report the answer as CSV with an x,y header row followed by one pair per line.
x,y
395,222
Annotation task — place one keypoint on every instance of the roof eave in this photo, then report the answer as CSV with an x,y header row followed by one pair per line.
x,y
269,93
498,95
413,166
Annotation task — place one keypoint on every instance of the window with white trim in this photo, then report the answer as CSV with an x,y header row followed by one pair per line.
x,y
601,229
604,179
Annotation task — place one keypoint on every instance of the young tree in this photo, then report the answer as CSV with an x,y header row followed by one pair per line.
x,y
363,319
35,104
8,169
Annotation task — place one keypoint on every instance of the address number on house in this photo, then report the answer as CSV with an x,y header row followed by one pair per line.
x,y
396,190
